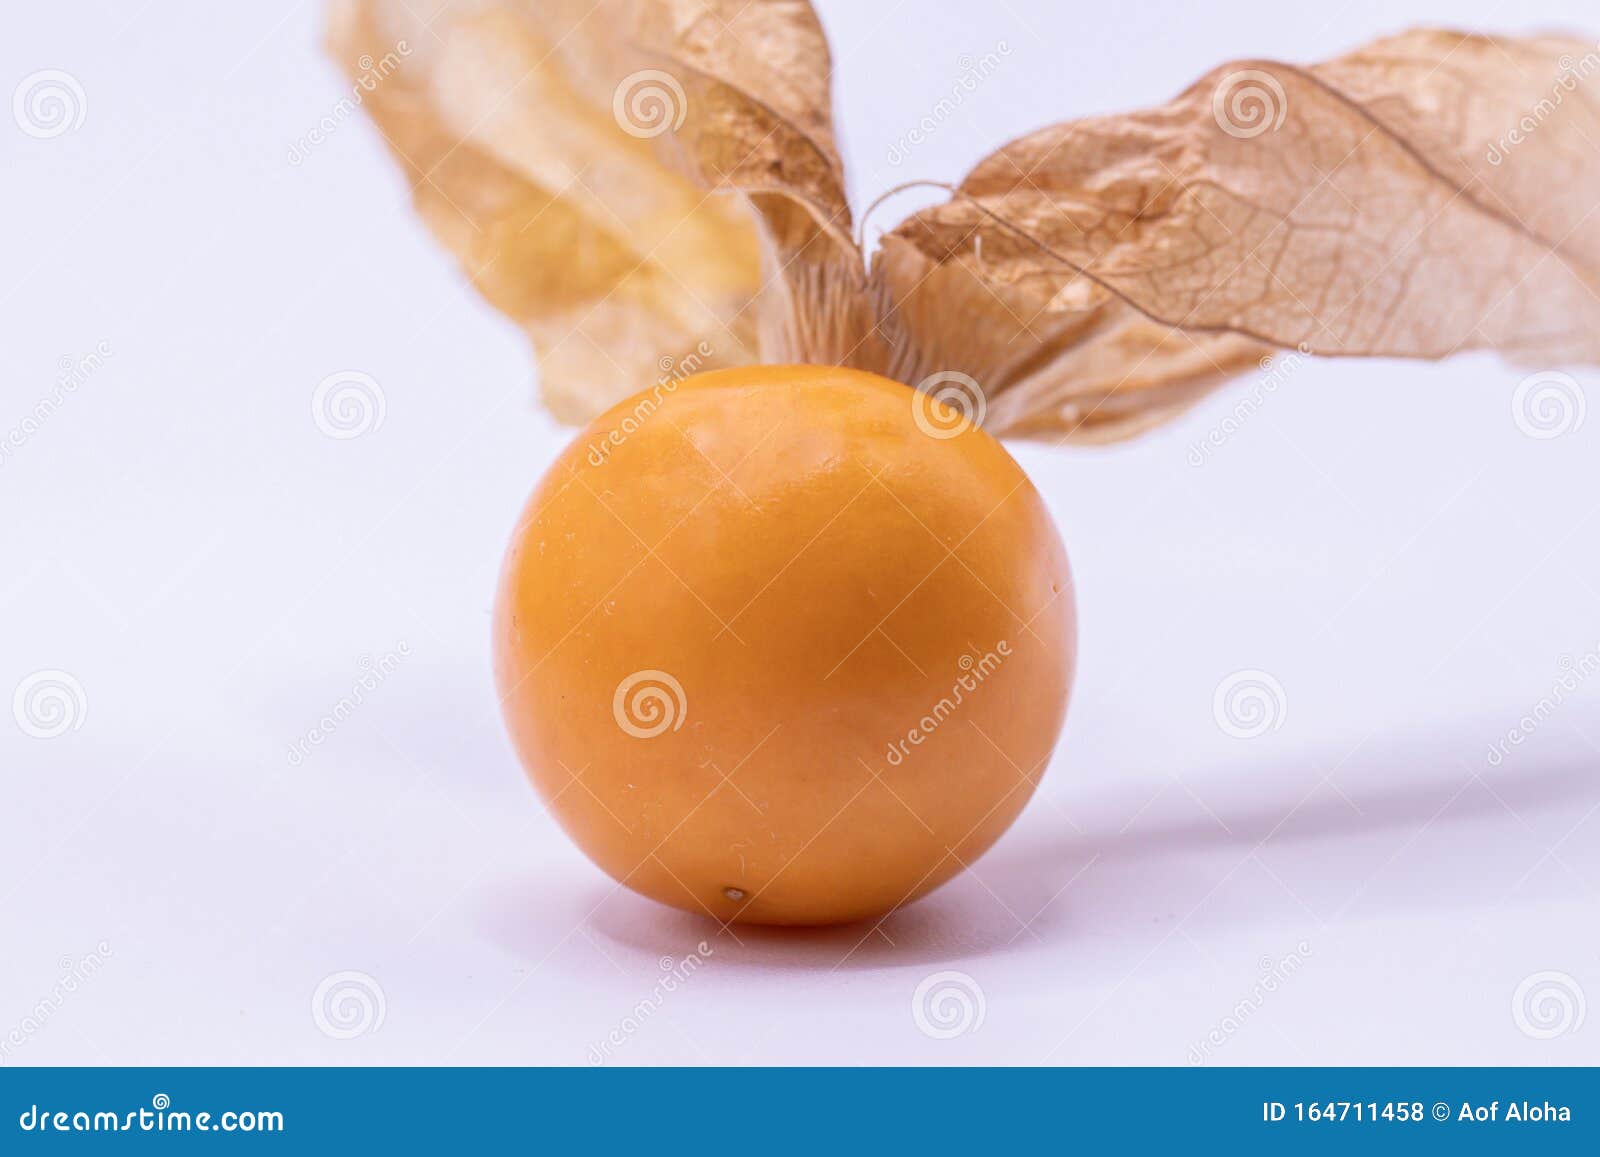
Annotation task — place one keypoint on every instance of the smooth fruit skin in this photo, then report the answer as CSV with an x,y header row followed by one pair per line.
x,y
773,652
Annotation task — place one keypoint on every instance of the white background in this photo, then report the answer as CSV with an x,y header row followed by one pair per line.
x,y
212,568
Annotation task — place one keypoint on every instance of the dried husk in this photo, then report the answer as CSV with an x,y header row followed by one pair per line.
x,y
1094,278
623,254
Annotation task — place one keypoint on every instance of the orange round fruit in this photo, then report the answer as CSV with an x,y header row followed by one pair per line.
x,y
785,644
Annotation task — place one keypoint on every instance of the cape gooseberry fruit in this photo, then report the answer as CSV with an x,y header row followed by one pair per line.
x,y
785,644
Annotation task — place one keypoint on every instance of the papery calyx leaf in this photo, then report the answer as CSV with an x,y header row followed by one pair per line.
x,y
615,177
1123,265
654,185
